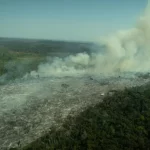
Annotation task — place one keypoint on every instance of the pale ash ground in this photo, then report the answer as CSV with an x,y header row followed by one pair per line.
x,y
29,108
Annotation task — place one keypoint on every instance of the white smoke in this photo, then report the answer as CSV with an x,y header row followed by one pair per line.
x,y
128,50
125,51
69,66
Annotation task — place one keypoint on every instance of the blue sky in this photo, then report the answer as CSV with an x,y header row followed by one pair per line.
x,y
74,20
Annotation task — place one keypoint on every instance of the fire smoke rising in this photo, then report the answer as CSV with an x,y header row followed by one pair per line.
x,y
125,51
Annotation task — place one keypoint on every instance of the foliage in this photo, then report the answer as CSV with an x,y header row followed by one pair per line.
x,y
16,51
16,64
44,47
120,122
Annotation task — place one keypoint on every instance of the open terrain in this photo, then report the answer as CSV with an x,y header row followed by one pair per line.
x,y
34,109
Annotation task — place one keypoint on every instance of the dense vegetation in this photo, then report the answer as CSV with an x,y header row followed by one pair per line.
x,y
44,47
120,122
16,64
19,56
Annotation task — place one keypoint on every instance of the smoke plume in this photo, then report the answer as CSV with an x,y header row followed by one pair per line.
x,y
125,51
128,50
29,107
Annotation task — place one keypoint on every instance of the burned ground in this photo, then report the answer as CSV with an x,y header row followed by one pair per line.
x,y
29,108
119,122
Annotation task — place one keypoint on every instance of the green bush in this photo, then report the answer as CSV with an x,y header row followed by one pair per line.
x,y
17,64
120,122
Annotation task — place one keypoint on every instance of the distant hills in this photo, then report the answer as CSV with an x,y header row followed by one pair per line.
x,y
45,46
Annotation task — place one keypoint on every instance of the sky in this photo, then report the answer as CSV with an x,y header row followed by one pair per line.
x,y
73,20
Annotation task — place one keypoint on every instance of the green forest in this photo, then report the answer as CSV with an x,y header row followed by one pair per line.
x,y
120,122
19,56
16,64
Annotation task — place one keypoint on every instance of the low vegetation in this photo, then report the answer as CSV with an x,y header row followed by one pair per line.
x,y
16,64
120,122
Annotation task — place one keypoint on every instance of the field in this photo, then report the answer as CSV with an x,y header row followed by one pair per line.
x,y
46,111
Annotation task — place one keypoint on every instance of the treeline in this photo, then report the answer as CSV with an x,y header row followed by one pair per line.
x,y
18,56
44,46
16,64
120,122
